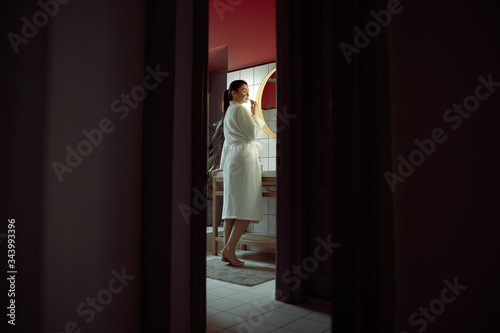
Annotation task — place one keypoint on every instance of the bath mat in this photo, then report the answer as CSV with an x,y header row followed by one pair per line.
x,y
248,275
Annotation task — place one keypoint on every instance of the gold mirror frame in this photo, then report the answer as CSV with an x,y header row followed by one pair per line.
x,y
258,99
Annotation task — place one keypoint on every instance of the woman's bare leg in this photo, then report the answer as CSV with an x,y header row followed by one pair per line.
x,y
239,227
228,227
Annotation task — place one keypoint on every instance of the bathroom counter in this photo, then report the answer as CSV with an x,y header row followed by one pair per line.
x,y
265,173
269,191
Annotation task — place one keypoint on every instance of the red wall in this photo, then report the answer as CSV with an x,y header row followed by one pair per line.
x,y
247,27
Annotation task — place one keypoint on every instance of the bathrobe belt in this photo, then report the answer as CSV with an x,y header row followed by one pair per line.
x,y
257,144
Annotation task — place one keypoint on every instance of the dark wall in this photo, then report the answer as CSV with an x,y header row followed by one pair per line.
x,y
446,211
80,231
22,129
157,167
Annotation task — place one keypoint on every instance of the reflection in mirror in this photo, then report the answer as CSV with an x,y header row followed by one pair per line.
x,y
268,101
266,98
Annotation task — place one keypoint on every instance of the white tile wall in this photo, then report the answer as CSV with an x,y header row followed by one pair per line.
x,y
272,114
260,73
272,206
247,75
254,76
253,91
264,161
272,224
264,150
272,125
271,163
272,147
265,205
263,226
232,76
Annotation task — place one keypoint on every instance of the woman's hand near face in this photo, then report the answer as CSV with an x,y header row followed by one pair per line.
x,y
253,106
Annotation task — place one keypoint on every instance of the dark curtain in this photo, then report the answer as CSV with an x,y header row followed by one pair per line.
x,y
331,153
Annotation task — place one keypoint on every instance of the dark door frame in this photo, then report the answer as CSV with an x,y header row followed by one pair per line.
x,y
158,209
356,102
199,161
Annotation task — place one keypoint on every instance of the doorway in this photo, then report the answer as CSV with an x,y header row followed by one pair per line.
x,y
292,205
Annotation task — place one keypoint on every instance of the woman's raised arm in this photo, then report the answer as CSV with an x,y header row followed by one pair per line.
x,y
249,124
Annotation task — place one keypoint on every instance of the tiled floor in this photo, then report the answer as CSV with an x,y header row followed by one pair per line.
x,y
241,309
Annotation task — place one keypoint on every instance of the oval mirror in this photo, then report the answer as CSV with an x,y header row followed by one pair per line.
x,y
266,98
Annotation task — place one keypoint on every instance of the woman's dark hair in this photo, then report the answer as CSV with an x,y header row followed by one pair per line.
x,y
227,97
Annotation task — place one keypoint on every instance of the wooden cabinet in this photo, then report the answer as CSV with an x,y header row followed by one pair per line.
x,y
269,241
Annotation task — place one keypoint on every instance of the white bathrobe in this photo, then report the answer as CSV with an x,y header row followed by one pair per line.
x,y
240,165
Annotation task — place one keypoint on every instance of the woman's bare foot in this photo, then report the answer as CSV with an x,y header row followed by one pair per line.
x,y
231,258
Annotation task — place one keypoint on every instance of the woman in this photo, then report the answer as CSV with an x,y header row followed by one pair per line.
x,y
241,168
